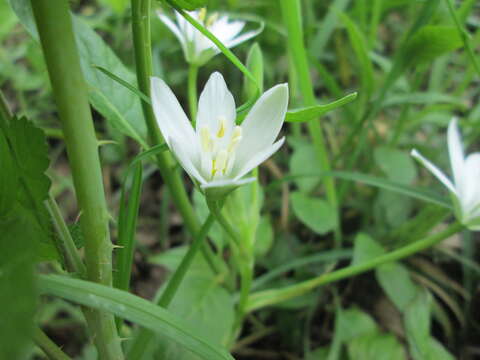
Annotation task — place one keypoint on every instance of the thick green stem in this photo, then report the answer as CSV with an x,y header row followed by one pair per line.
x,y
144,337
48,346
269,297
72,258
192,92
143,59
56,36
292,17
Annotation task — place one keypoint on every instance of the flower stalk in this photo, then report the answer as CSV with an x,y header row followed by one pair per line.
x,y
58,43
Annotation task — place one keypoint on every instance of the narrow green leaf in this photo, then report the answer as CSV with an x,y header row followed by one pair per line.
x,y
132,308
313,112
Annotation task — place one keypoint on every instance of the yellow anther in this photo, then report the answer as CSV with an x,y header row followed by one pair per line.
x,y
221,129
236,137
221,161
202,14
205,140
211,19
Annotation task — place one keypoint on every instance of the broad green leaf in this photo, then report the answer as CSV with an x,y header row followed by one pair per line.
x,y
352,323
132,308
315,213
18,296
376,346
432,41
397,165
366,249
417,325
314,112
302,156
119,106
397,284
393,209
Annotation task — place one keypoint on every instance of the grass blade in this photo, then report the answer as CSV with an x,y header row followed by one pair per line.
x,y
132,308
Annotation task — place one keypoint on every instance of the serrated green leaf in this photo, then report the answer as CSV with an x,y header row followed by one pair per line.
x,y
8,179
18,296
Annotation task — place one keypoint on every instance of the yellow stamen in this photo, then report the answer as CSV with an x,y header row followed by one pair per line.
x,y
221,161
202,14
205,140
236,137
221,129
211,19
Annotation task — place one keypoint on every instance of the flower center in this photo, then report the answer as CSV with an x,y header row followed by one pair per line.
x,y
218,149
207,22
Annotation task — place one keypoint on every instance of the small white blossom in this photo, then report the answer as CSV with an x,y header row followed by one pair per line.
x,y
466,176
218,153
198,49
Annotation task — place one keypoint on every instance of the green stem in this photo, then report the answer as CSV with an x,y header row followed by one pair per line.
x,y
58,43
72,258
144,337
143,59
464,35
269,297
245,264
48,346
292,16
192,92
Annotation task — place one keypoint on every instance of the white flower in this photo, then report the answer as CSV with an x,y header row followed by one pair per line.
x,y
466,176
198,49
218,153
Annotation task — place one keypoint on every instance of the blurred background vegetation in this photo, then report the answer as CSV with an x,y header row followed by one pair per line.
x,y
407,59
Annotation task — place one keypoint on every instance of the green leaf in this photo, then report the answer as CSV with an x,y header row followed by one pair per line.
x,y
302,155
432,41
397,284
376,346
18,296
315,213
113,101
352,323
255,65
77,235
315,111
263,237
365,249
397,165
132,308
8,179
417,325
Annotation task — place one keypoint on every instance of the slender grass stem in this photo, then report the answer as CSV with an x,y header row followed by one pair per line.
x,y
292,16
144,337
269,297
73,261
48,346
54,26
192,91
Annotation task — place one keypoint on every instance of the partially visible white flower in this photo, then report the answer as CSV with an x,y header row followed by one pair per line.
x,y
218,153
198,49
466,176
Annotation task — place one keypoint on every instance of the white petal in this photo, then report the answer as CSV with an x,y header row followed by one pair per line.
x,y
226,31
170,116
186,159
242,38
259,158
263,122
469,192
215,103
172,26
227,182
455,149
434,170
